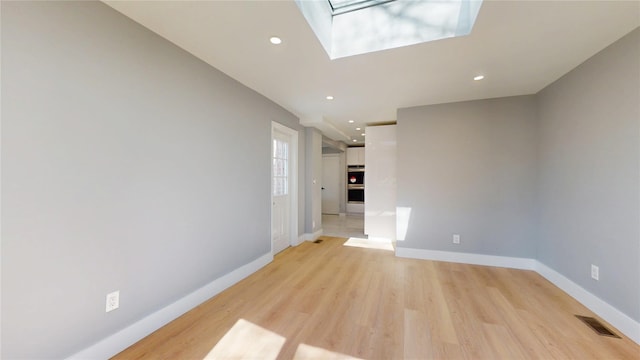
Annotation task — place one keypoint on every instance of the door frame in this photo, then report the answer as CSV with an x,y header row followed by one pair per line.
x,y
293,183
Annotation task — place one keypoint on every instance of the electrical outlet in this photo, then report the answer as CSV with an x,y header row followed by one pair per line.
x,y
456,238
595,272
113,301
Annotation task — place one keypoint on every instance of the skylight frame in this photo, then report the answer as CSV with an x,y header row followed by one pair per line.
x,y
348,6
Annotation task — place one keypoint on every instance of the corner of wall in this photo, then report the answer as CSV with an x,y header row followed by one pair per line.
x,y
615,317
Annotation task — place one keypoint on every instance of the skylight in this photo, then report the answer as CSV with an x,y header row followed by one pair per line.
x,y
352,27
344,6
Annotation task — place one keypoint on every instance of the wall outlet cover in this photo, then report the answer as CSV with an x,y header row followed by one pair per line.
x,y
113,301
595,272
456,238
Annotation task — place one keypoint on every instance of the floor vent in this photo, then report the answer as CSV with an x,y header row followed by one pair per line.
x,y
317,241
597,326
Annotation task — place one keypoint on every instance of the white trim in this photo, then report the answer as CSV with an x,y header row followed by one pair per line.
x,y
293,182
467,258
312,236
128,336
309,236
622,322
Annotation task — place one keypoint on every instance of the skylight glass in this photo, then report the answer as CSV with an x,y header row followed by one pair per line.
x,y
344,6
352,27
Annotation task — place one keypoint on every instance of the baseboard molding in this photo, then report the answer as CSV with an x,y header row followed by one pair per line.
x,y
615,317
312,236
128,336
467,258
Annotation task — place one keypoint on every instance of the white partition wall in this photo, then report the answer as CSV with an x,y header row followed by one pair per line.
x,y
380,189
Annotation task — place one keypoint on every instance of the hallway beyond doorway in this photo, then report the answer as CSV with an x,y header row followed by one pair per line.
x,y
343,226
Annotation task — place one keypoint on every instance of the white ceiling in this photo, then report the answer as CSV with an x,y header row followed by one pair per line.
x,y
520,46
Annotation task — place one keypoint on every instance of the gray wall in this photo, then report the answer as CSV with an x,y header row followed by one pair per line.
x,y
126,164
590,177
469,168
555,176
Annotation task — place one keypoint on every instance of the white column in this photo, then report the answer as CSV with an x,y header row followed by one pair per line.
x,y
380,182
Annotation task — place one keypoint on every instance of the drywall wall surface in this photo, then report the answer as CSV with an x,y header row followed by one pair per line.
x,y
468,168
127,164
590,176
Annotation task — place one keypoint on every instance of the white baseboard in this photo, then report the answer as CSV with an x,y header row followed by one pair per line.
x,y
312,236
128,336
467,258
615,317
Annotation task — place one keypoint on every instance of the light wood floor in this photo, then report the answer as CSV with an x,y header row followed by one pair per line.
x,y
320,301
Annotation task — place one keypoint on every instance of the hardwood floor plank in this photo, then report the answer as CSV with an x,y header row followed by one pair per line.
x,y
501,343
418,343
531,346
332,301
437,308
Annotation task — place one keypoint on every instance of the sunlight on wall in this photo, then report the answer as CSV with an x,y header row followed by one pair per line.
x,y
403,214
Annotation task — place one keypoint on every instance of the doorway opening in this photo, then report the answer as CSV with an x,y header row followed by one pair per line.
x,y
336,219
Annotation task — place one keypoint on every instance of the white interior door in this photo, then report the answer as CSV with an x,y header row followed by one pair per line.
x,y
331,184
284,220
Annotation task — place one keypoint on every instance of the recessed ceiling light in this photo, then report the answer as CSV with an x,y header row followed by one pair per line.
x,y
275,40
329,97
351,121
363,134
479,77
358,129
354,140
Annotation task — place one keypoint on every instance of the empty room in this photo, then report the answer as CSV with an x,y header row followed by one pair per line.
x,y
314,179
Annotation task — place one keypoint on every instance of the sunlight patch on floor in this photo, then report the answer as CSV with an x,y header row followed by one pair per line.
x,y
371,243
246,340
305,351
